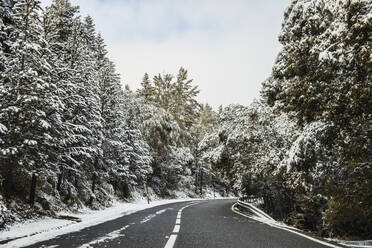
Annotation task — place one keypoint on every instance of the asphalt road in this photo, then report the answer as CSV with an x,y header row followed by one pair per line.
x,y
200,224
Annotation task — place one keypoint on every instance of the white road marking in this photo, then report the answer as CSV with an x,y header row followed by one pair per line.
x,y
292,231
172,239
163,210
151,216
148,218
176,228
110,236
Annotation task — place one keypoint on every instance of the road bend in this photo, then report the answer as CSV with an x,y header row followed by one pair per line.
x,y
209,224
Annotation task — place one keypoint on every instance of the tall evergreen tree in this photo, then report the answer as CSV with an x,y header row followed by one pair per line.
x,y
147,90
28,99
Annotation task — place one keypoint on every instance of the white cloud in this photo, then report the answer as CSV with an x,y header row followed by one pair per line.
x,y
228,47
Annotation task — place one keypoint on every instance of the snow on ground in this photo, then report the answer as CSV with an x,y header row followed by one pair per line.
x,y
34,231
261,216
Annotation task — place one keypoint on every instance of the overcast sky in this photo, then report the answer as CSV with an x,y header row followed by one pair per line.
x,y
228,46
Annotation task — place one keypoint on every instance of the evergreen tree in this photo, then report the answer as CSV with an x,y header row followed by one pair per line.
x,y
185,107
73,50
147,90
136,150
322,77
28,101
5,22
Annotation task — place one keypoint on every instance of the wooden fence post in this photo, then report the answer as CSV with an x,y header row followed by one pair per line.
x,y
147,190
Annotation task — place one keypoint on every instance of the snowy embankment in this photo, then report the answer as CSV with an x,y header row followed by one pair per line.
x,y
34,231
258,215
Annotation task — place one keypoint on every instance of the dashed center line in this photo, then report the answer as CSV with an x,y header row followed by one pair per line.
x,y
176,228
172,239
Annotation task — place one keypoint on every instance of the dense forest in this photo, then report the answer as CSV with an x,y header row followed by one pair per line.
x,y
70,130
305,145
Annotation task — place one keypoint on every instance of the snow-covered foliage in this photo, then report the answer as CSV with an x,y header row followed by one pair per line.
x,y
323,70
66,121
322,80
250,140
173,123
322,76
306,147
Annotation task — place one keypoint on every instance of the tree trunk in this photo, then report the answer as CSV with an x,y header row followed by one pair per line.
x,y
94,182
196,182
8,181
201,182
60,179
33,189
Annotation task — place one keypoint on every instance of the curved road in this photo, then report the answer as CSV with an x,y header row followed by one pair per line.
x,y
179,225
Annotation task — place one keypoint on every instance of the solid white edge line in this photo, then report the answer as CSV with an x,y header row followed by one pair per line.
x,y
171,241
358,246
289,230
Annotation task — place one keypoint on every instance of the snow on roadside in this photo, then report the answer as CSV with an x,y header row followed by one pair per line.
x,y
46,228
262,217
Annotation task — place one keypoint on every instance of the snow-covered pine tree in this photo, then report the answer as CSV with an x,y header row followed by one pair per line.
x,y
207,120
59,20
185,107
87,77
113,167
147,90
5,22
322,77
81,135
28,101
137,151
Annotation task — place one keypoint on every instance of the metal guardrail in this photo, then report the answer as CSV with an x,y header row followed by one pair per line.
x,y
358,244
251,199
246,203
